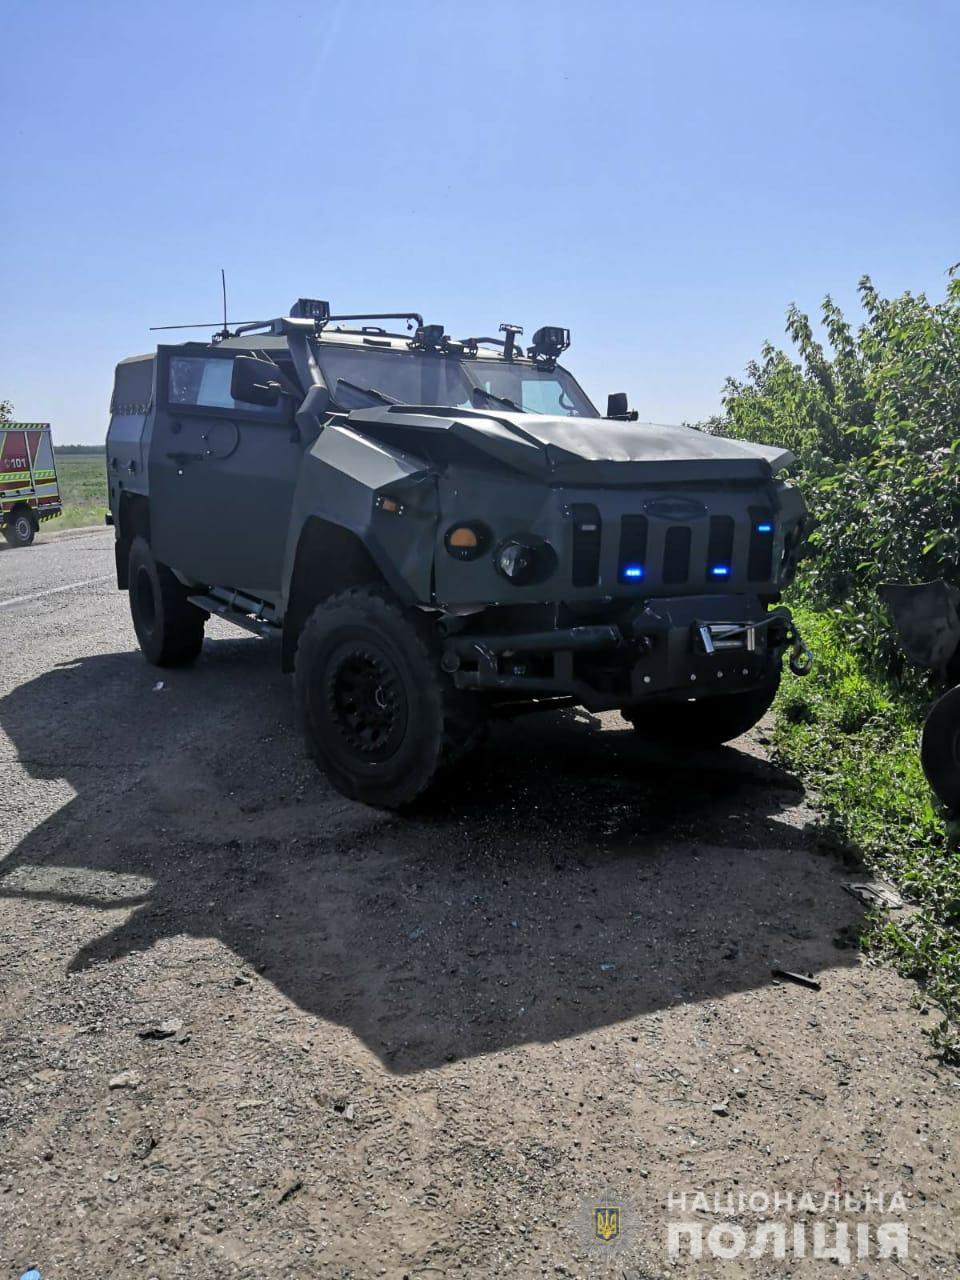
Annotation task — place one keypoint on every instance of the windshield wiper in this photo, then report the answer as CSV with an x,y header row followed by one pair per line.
x,y
372,392
488,395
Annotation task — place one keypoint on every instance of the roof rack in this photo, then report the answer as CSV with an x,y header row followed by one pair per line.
x,y
409,316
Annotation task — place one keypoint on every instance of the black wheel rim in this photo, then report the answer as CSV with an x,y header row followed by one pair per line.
x,y
23,528
365,703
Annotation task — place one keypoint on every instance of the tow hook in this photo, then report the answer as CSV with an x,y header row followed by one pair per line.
x,y
801,659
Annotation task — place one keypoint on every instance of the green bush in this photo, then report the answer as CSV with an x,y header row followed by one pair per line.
x,y
875,425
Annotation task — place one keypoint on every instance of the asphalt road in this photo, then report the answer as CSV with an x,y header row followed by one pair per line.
x,y
421,1045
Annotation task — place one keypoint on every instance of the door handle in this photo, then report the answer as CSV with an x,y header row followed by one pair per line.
x,y
181,458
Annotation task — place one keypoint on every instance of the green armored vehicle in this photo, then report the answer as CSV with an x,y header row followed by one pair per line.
x,y
441,531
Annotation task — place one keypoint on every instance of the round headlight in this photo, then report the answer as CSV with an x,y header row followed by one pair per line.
x,y
525,560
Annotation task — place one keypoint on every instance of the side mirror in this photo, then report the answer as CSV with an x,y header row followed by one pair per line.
x,y
254,382
617,407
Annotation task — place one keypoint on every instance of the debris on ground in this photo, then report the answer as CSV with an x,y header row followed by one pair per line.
x,y
876,893
801,979
126,1080
162,1030
289,1190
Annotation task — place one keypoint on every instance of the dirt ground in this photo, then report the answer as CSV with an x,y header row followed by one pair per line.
x,y
252,1029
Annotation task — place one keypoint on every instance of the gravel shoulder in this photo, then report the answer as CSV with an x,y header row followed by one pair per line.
x,y
421,1045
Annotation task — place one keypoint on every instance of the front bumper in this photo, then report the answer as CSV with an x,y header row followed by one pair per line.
x,y
666,651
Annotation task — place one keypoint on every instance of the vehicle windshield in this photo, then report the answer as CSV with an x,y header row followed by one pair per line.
x,y
533,390
414,377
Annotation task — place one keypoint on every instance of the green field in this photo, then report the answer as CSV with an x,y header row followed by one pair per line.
x,y
83,487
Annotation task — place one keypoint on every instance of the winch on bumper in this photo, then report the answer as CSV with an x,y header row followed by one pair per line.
x,y
663,651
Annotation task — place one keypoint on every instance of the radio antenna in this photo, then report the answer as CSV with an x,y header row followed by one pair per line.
x,y
225,332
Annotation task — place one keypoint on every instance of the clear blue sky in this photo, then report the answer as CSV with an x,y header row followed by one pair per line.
x,y
662,178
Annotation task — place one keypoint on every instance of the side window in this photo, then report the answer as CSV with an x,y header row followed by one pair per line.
x,y
205,381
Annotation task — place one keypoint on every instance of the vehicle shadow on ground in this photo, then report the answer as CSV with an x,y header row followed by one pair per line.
x,y
563,879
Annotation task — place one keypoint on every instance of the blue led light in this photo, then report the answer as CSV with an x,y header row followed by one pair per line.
x,y
633,571
764,528
721,571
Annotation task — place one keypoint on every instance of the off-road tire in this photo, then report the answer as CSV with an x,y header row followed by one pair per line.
x,y
169,628
379,715
706,723
940,749
21,529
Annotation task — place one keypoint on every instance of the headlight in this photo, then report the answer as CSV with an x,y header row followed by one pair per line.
x,y
525,560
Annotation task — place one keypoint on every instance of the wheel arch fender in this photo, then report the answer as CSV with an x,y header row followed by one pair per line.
x,y
21,509
329,559
132,521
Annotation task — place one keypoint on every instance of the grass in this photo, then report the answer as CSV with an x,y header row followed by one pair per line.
x,y
83,487
855,740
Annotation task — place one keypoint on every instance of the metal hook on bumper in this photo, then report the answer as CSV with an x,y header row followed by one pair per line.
x,y
801,659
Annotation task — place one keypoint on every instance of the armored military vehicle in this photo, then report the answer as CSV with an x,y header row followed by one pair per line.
x,y
444,530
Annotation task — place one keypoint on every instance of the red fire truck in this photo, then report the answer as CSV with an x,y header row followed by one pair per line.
x,y
29,489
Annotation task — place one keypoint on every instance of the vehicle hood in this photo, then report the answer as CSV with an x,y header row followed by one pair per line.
x,y
570,450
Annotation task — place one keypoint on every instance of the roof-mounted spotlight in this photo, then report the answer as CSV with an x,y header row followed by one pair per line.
x,y
310,309
428,337
549,343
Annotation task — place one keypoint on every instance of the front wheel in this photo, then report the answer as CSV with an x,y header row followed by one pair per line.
x,y
21,530
940,749
169,628
380,716
708,722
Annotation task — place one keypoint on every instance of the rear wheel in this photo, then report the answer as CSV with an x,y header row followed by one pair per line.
x,y
381,718
708,722
20,530
169,628
940,748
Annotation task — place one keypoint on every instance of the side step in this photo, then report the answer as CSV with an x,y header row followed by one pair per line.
x,y
243,611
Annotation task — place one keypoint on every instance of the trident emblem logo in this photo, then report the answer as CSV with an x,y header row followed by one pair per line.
x,y
606,1223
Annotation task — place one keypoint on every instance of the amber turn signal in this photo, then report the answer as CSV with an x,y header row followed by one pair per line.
x,y
467,541
463,537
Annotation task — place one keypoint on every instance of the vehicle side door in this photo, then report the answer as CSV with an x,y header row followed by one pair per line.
x,y
222,475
